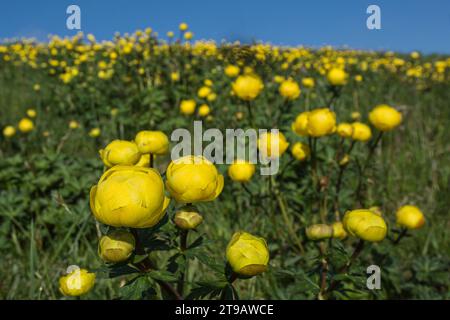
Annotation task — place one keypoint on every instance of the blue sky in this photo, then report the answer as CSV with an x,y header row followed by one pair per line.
x,y
406,25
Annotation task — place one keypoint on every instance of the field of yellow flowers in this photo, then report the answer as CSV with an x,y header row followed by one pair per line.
x,y
93,206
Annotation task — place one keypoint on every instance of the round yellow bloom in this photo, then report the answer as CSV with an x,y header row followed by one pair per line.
x,y
144,161
95,132
337,77
31,113
319,232
321,122
76,283
345,130
183,26
74,124
204,110
241,171
365,224
361,131
9,131
26,125
188,35
127,196
384,117
300,125
174,76
410,217
154,142
193,179
300,151
188,218
247,87
116,246
203,92
358,78
338,230
120,152
272,144
289,89
247,255
187,107
232,71
308,82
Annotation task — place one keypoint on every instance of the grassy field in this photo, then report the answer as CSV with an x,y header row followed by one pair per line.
x,y
137,83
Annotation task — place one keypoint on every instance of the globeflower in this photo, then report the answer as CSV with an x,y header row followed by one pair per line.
x,y
116,246
193,179
384,117
187,107
26,125
321,122
247,87
345,130
94,133
300,125
9,131
120,152
410,217
338,230
153,142
319,232
203,92
308,82
289,89
31,113
76,283
337,77
272,144
187,218
204,110
247,255
241,171
129,196
232,71
365,224
361,132
300,151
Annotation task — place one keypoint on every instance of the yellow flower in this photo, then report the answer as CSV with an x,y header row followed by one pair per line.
x,y
183,26
410,217
385,118
36,87
9,131
193,179
247,87
187,107
272,144
175,76
365,224
338,230
31,113
114,112
232,71
300,125
308,82
337,77
289,89
241,171
361,131
26,125
188,218
116,246
203,110
319,232
76,283
355,115
358,78
120,152
247,255
321,122
344,160
144,161
74,124
203,92
127,196
211,97
300,151
170,34
154,142
345,130
94,133
188,35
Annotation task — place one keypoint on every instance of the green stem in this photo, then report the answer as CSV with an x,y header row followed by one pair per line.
x,y
183,247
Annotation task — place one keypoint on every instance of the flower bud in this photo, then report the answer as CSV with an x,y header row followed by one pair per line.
x,y
365,224
247,255
361,132
77,282
188,218
319,232
26,125
410,217
345,130
337,77
187,107
345,160
154,142
339,231
120,152
116,246
385,118
241,171
300,151
247,87
289,89
272,145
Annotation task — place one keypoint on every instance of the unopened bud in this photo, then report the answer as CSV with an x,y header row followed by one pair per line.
x,y
319,232
187,218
